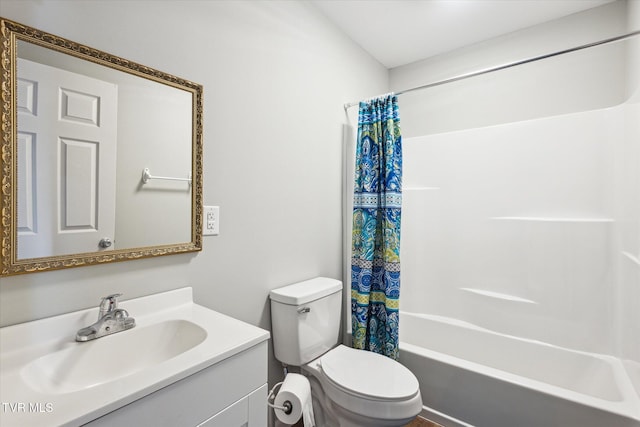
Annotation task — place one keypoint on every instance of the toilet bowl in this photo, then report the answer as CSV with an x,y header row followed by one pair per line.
x,y
360,388
350,388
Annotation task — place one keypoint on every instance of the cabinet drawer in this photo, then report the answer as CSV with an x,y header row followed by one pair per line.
x,y
250,411
236,415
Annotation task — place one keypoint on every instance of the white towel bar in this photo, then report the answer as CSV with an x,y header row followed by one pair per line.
x,y
146,176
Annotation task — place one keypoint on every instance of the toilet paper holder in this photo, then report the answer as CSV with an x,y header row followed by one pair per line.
x,y
286,407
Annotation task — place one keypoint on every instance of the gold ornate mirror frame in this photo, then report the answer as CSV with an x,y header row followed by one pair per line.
x,y
11,33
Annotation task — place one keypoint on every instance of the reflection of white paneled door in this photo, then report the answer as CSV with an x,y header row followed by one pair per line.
x,y
67,126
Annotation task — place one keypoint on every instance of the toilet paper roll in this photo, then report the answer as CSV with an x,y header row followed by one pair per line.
x,y
297,391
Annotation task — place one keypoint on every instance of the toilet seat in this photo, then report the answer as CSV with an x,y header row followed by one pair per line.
x,y
369,384
367,374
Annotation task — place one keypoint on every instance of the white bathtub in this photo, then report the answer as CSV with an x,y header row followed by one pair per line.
x,y
473,376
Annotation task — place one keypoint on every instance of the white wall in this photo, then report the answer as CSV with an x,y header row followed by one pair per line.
x,y
633,24
155,132
553,86
275,76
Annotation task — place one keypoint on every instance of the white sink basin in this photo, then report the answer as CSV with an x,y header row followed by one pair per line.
x,y
61,382
83,365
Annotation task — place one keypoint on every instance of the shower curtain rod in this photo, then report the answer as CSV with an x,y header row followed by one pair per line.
x,y
509,65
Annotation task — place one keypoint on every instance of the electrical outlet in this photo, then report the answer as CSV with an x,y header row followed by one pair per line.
x,y
211,221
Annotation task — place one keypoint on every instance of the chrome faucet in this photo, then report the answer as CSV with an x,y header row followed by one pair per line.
x,y
111,319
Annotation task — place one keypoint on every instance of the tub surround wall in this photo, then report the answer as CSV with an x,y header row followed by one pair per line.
x,y
509,227
573,181
275,77
628,210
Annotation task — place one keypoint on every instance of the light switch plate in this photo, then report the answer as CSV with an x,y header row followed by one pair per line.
x,y
211,221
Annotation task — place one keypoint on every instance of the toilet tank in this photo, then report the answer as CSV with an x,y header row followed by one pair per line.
x,y
305,319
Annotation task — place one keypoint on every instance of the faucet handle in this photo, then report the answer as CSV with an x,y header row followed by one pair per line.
x,y
108,303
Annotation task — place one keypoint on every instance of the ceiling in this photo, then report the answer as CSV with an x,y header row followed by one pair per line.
x,y
398,32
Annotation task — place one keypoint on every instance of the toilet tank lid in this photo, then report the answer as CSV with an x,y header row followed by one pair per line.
x,y
307,291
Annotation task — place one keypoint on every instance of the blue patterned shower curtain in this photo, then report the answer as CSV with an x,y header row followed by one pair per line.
x,y
375,262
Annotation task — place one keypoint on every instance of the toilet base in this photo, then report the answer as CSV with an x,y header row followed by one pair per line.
x,y
329,414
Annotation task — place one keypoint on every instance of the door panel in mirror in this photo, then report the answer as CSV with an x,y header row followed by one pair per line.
x,y
71,171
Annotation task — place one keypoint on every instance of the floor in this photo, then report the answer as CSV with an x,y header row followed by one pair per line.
x,y
418,422
421,422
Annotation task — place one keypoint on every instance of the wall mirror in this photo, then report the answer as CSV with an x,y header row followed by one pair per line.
x,y
101,156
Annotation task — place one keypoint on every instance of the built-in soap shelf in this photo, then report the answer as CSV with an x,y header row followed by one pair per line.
x,y
498,295
631,258
553,219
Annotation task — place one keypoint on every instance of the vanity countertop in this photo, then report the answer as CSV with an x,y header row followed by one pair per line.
x,y
50,379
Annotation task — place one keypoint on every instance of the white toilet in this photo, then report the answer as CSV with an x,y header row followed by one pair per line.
x,y
349,387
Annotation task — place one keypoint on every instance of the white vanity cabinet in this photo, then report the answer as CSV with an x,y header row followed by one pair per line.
x,y
183,365
231,393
